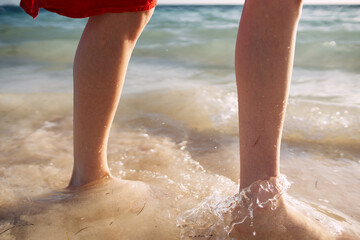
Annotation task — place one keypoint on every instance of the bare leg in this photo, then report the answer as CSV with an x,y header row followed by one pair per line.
x,y
99,70
264,59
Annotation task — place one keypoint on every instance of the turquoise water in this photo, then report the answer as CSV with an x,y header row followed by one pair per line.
x,y
177,119
193,41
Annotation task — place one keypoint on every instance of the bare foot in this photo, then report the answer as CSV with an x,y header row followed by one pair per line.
x,y
258,212
283,223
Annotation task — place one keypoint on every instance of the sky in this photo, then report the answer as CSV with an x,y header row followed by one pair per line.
x,y
16,2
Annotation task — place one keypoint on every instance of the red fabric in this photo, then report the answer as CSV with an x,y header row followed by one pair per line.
x,y
85,8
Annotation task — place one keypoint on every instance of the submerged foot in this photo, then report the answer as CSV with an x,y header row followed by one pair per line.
x,y
258,212
282,223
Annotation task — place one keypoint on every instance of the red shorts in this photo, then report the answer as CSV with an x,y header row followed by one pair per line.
x,y
86,8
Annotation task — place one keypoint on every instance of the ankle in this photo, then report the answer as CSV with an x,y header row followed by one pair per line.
x,y
79,179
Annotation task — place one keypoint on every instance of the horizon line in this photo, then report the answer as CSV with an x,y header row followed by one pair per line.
x,y
229,4
233,4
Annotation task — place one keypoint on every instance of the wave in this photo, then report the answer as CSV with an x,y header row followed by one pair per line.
x,y
203,36
205,108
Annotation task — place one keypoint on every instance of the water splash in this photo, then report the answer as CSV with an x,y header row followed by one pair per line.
x,y
216,216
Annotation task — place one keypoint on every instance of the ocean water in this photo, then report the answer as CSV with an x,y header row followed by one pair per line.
x,y
174,138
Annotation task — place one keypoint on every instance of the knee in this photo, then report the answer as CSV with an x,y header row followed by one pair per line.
x,y
298,5
289,6
125,26
136,23
299,2
295,5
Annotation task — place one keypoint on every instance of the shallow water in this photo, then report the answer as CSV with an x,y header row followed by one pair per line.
x,y
174,139
176,162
